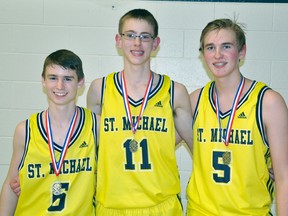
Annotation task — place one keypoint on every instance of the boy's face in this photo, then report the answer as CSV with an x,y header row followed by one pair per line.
x,y
61,84
221,53
136,51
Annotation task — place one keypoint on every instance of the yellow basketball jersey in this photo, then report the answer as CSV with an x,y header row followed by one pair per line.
x,y
73,191
145,176
234,179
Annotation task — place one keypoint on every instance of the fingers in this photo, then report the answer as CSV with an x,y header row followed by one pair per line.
x,y
15,185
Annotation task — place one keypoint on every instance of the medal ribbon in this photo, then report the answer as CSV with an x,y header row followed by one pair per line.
x,y
126,101
57,165
226,138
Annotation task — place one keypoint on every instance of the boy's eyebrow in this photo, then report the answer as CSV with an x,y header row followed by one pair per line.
x,y
225,43
66,76
131,31
50,75
209,44
71,77
228,43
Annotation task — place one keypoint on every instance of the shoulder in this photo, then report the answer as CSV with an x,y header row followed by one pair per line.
x,y
273,100
274,109
180,88
181,96
20,134
94,93
96,83
88,112
180,91
194,96
21,125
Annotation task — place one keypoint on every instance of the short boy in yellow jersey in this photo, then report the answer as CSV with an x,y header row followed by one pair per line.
x,y
140,109
54,151
240,127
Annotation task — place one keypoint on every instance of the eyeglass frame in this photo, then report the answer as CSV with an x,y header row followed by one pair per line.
x,y
134,36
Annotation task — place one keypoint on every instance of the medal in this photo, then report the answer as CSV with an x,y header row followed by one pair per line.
x,y
226,136
226,157
233,110
57,188
58,164
133,145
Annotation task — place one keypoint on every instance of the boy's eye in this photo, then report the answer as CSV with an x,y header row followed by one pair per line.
x,y
226,46
130,35
67,79
210,48
145,36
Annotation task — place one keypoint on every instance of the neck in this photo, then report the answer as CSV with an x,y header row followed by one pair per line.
x,y
228,85
61,115
136,77
137,73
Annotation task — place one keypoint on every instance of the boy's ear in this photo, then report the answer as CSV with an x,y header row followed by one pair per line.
x,y
243,52
43,81
81,82
118,40
156,43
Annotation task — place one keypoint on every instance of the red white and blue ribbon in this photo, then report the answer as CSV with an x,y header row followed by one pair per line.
x,y
226,138
126,101
58,164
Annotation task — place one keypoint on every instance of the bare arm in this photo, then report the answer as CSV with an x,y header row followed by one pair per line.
x,y
193,100
8,199
275,116
94,96
182,114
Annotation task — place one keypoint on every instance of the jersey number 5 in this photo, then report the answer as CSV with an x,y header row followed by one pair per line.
x,y
58,197
222,171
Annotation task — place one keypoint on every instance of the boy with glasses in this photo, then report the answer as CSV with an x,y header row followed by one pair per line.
x,y
140,109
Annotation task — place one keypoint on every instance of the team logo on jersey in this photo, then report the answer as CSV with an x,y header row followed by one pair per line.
x,y
83,145
242,115
158,104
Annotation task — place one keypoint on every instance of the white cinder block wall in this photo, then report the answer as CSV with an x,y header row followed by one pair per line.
x,y
32,29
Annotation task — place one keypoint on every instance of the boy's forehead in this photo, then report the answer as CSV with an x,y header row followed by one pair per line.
x,y
59,70
220,35
137,25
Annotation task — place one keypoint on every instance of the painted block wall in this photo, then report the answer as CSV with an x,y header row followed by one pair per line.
x,y
32,29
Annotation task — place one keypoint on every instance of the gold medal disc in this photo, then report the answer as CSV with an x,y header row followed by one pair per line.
x,y
226,157
133,145
57,188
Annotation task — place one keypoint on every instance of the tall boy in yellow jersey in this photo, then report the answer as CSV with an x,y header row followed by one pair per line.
x,y
240,127
54,151
140,109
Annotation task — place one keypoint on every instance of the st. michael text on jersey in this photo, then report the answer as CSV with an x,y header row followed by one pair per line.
x,y
69,167
242,137
147,123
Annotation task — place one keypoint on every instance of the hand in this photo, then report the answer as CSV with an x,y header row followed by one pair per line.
x,y
15,186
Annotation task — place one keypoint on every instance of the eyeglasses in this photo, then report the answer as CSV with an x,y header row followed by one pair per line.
x,y
145,37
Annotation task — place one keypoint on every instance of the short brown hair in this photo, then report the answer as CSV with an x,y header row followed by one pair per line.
x,y
219,24
67,59
141,14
